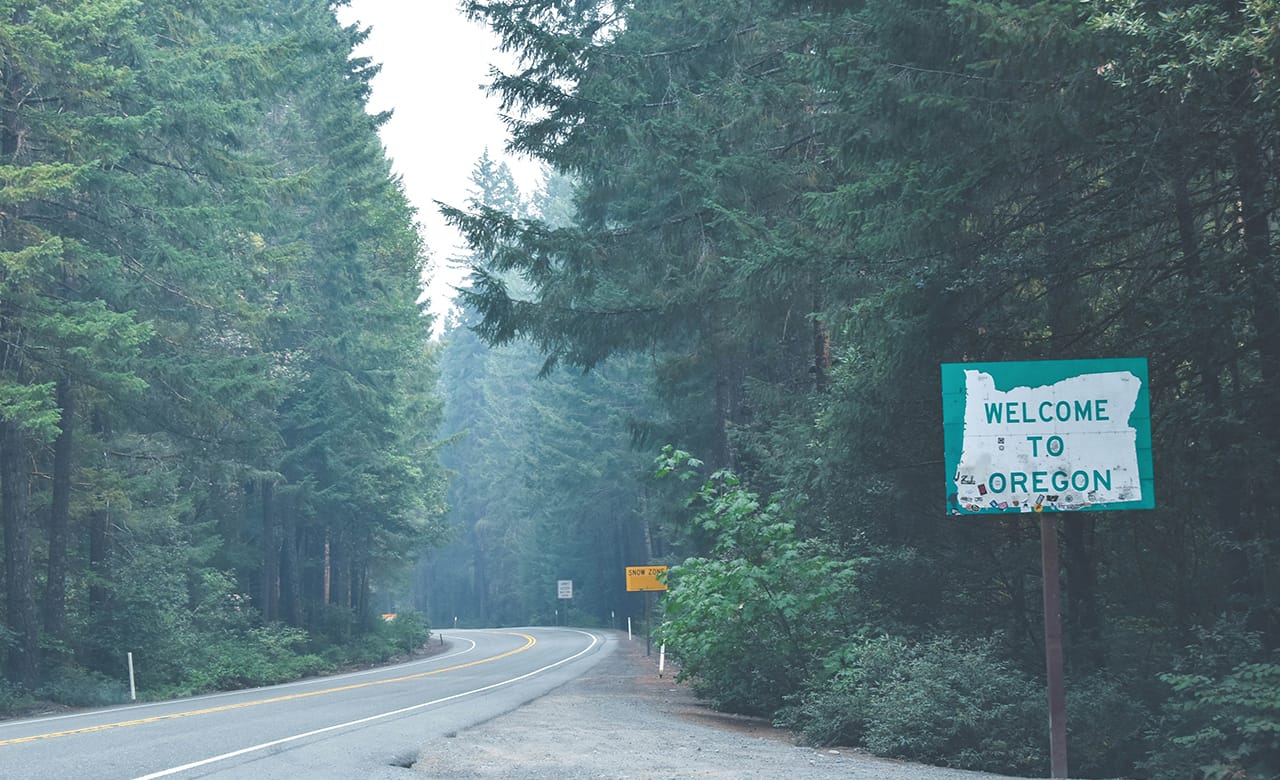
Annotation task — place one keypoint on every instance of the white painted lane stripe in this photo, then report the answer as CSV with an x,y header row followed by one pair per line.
x,y
235,753
244,704
324,680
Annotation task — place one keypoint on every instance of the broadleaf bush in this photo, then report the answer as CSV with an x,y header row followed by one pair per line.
x,y
748,621
78,687
1224,728
263,655
1107,722
940,702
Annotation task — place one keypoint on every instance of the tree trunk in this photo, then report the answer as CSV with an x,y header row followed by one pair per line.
x,y
724,410
328,568
1080,561
360,581
1251,172
1211,334
821,346
339,569
1066,323
99,543
55,592
1251,182
23,662
99,553
290,563
480,579
313,565
270,554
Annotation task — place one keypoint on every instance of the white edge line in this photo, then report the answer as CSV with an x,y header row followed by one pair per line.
x,y
320,680
235,753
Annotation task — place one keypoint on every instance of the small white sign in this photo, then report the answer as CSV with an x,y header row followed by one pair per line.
x,y
564,589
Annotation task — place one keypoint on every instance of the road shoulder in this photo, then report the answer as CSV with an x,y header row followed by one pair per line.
x,y
620,720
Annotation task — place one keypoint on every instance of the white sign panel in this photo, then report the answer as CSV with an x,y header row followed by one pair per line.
x,y
1030,442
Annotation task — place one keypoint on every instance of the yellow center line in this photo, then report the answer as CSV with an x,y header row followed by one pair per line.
x,y
529,642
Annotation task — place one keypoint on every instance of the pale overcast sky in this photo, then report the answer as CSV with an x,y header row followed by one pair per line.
x,y
434,62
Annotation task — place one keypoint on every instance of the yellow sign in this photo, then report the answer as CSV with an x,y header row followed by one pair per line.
x,y
646,577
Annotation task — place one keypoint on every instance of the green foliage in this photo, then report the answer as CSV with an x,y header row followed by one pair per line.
x,y
77,687
938,702
548,475
152,614
13,699
33,406
769,222
408,632
262,655
798,210
206,255
546,486
1222,716
749,621
387,639
1108,723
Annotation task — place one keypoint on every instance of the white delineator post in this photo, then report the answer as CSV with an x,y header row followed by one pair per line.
x,y
133,690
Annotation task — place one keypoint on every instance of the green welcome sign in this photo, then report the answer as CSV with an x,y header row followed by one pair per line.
x,y
1048,435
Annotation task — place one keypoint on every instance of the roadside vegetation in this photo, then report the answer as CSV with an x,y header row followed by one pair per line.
x,y
240,652
782,217
217,388
228,443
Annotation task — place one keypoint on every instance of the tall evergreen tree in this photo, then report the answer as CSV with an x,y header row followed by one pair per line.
x,y
801,209
182,186
545,485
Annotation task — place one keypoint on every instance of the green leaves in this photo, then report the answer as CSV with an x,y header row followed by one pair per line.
x,y
22,183
1225,726
202,244
32,407
672,461
939,701
796,211
760,595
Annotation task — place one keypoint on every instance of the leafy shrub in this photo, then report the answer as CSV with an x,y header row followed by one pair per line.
x,y
408,632
13,699
837,704
1107,724
386,639
1222,716
935,702
77,687
1221,728
151,616
762,595
260,656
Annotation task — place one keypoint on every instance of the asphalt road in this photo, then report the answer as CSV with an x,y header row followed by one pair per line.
x,y
363,725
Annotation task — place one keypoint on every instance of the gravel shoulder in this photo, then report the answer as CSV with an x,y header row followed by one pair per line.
x,y
620,720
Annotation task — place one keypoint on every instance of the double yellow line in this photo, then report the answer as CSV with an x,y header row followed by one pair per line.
x,y
529,642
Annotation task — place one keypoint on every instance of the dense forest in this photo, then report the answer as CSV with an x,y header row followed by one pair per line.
x,y
217,390
710,340
783,217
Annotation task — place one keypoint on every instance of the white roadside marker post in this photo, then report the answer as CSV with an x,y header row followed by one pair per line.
x,y
133,690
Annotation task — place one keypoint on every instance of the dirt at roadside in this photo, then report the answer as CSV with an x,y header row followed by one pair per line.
x,y
620,720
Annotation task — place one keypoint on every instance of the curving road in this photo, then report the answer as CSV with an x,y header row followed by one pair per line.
x,y
367,724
